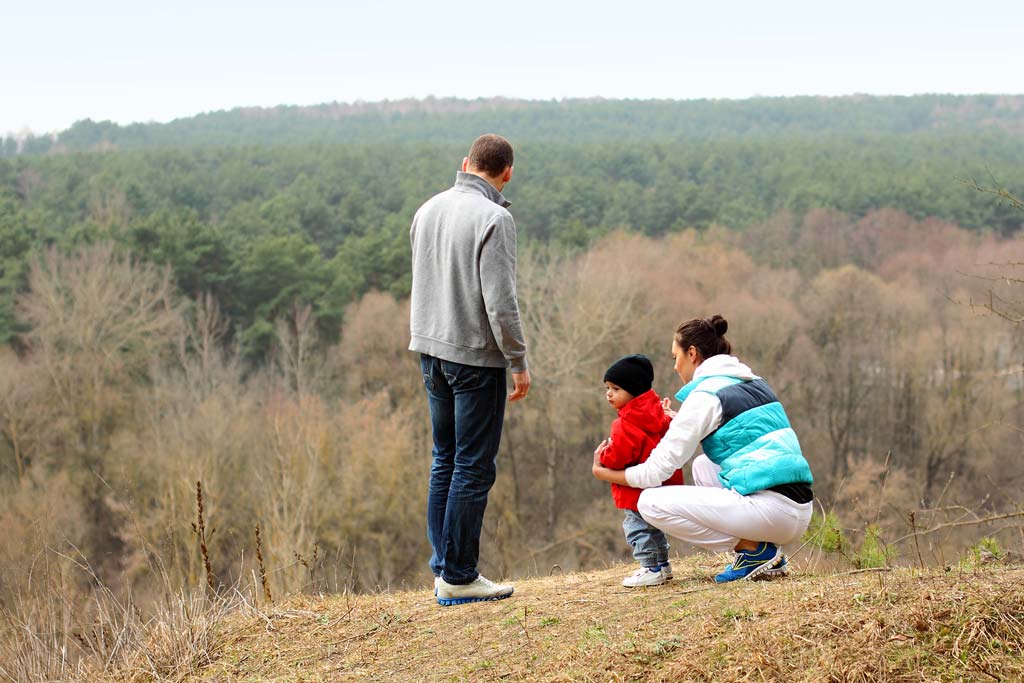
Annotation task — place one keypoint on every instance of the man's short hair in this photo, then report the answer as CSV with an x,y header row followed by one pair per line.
x,y
491,154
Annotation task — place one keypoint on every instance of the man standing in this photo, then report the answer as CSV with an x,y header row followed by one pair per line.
x,y
465,325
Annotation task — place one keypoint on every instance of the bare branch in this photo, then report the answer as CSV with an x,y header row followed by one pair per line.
x,y
991,308
994,278
996,189
971,522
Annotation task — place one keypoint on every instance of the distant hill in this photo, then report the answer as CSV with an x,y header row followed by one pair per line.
x,y
581,120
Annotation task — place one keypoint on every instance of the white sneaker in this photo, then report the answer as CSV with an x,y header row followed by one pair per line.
x,y
666,569
476,591
645,577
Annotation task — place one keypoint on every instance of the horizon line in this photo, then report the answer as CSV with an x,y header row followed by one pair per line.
x,y
27,132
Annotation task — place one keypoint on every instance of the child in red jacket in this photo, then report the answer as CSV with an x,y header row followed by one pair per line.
x,y
641,424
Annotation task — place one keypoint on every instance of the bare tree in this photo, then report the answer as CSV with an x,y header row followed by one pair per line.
x,y
848,324
295,348
1002,295
98,323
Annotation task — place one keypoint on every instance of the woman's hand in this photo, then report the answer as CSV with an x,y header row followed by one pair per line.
x,y
603,473
599,451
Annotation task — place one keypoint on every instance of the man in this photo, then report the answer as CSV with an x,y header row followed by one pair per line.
x,y
465,325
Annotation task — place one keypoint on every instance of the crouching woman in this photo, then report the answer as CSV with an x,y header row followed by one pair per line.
x,y
751,489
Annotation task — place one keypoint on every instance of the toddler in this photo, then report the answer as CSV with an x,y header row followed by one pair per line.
x,y
641,424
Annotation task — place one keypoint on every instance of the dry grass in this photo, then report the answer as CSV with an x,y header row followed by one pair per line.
x,y
61,630
898,625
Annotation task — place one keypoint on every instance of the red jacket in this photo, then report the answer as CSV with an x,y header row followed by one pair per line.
x,y
640,425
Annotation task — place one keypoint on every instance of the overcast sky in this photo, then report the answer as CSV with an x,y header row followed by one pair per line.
x,y
64,61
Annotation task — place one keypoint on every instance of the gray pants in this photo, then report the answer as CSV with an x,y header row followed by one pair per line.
x,y
650,547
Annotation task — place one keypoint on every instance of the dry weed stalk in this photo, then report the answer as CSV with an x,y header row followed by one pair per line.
x,y
263,568
310,564
912,516
200,531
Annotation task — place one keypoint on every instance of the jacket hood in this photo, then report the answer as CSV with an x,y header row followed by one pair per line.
x,y
645,412
730,366
716,366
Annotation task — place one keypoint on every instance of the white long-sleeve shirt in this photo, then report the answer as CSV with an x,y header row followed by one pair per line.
x,y
699,415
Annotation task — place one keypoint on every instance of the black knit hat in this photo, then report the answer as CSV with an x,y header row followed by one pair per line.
x,y
633,373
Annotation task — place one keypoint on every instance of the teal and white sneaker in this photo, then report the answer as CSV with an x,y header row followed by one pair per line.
x,y
751,564
478,590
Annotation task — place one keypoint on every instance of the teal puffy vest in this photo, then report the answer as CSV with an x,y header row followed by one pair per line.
x,y
755,445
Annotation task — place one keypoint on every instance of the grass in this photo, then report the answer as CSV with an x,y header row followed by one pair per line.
x,y
893,625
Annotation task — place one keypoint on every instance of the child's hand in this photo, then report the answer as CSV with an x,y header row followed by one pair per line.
x,y
666,405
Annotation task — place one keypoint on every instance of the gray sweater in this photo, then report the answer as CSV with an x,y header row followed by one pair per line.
x,y
464,305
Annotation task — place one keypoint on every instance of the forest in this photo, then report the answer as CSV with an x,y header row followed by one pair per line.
x,y
323,223
235,313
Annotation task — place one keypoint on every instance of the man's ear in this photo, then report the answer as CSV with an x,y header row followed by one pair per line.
x,y
465,164
508,174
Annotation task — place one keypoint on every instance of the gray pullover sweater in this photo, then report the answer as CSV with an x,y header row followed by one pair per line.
x,y
464,305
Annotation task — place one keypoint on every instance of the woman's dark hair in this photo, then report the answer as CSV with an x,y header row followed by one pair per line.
x,y
707,334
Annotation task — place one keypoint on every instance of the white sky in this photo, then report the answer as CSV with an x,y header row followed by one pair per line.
x,y
62,61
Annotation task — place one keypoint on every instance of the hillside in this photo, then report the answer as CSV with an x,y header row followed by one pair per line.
x,y
901,625
451,121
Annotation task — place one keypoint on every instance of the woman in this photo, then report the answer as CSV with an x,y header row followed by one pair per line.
x,y
752,485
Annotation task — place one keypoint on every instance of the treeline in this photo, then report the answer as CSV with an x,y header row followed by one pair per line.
x,y
260,228
124,394
573,121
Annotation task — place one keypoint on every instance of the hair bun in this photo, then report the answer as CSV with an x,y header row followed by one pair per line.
x,y
720,324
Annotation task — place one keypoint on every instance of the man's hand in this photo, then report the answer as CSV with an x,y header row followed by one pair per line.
x,y
521,385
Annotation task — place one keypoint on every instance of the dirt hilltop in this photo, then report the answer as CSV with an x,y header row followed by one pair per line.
x,y
898,625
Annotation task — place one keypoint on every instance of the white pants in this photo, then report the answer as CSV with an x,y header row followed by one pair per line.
x,y
715,518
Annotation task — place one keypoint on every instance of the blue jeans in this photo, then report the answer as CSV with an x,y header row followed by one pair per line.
x,y
650,547
467,409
